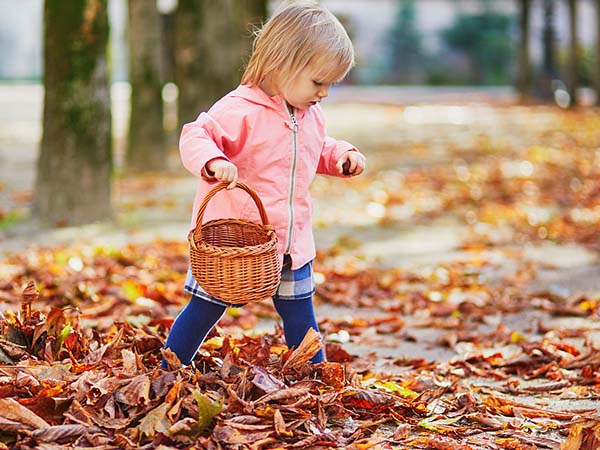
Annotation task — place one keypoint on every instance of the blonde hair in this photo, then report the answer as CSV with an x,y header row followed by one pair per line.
x,y
297,35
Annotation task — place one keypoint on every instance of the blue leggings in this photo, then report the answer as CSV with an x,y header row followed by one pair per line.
x,y
199,316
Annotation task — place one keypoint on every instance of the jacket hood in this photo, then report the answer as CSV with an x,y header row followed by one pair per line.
x,y
256,95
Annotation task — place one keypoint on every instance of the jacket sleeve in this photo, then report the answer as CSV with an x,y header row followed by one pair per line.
x,y
210,136
332,151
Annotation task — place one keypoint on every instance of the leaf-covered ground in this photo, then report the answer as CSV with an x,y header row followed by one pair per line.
x,y
461,352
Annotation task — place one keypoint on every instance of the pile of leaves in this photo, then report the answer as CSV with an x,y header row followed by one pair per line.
x,y
82,364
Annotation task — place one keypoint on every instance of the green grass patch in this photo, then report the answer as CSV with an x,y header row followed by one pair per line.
x,y
11,218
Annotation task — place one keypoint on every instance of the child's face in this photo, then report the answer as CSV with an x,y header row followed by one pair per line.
x,y
306,89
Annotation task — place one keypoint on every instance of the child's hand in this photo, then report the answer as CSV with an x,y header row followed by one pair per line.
x,y
223,171
351,163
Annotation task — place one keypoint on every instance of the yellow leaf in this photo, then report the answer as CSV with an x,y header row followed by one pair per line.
x,y
439,426
213,343
131,290
517,337
392,386
207,409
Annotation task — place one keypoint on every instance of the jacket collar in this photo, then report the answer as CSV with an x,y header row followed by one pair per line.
x,y
256,95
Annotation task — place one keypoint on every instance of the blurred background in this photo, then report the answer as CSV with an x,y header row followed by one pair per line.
x,y
431,42
117,78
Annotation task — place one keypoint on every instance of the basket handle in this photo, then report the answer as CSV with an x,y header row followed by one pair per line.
x,y
219,187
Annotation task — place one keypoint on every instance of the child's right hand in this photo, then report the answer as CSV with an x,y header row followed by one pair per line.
x,y
224,171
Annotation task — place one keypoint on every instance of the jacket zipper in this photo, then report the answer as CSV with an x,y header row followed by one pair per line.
x,y
292,179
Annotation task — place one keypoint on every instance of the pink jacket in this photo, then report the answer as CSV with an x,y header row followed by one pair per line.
x,y
256,133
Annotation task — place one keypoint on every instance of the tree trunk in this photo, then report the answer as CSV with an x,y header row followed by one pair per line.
x,y
75,161
572,81
168,46
597,78
524,77
212,44
548,43
146,149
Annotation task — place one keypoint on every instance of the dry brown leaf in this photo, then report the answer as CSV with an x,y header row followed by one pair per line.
x,y
308,348
62,433
155,421
279,424
136,392
583,436
12,410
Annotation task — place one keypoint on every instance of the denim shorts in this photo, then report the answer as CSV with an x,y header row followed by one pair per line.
x,y
296,284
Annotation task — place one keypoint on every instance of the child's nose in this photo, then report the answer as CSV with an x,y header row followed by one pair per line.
x,y
323,92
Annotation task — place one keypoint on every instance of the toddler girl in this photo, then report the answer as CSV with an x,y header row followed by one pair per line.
x,y
269,133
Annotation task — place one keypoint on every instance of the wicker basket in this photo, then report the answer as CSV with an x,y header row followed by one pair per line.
x,y
234,260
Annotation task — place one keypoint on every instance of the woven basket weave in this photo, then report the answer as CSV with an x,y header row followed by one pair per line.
x,y
234,260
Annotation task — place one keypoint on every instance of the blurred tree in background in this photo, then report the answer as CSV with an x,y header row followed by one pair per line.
x,y
486,40
211,40
548,66
146,149
211,44
586,65
572,75
523,80
75,160
405,44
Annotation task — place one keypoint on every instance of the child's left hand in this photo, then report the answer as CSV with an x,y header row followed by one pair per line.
x,y
351,163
